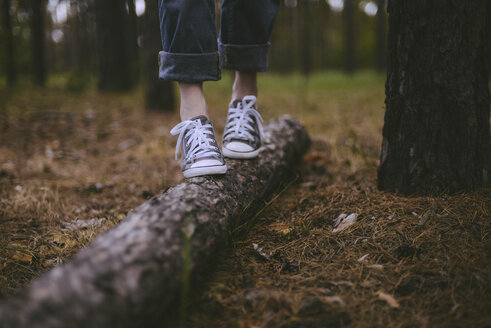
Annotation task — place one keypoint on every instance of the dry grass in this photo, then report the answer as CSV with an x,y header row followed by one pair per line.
x,y
73,158
430,254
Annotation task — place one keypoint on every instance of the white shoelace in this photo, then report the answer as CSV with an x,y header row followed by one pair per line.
x,y
241,120
200,139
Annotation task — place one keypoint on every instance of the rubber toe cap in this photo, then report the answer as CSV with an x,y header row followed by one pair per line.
x,y
239,146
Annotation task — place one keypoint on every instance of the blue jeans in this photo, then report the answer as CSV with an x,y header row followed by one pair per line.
x,y
191,52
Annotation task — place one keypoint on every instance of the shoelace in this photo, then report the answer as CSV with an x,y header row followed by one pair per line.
x,y
242,120
200,139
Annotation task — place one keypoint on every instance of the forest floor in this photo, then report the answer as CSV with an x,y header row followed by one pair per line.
x,y
72,165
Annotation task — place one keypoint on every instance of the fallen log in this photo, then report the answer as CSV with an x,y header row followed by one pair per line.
x,y
130,275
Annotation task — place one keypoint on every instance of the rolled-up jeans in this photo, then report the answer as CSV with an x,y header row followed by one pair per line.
x,y
191,52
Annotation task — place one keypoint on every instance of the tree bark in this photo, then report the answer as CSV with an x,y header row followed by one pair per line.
x,y
381,37
9,43
159,94
436,131
38,8
115,72
79,45
131,33
349,36
325,13
304,38
130,275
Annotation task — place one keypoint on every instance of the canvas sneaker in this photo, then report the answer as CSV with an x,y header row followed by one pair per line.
x,y
200,154
243,135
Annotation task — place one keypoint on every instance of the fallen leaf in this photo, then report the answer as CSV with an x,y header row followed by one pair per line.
x,y
314,156
323,290
343,222
19,244
63,241
22,257
368,284
363,258
281,228
261,252
375,266
307,184
343,282
391,301
340,219
335,300
425,217
286,231
81,224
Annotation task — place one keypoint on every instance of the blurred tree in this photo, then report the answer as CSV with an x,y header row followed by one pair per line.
x,y
79,44
38,10
9,43
305,43
132,38
159,94
381,36
349,36
323,28
115,68
436,134
284,38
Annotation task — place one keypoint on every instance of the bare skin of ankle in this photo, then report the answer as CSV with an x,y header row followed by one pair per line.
x,y
245,84
192,100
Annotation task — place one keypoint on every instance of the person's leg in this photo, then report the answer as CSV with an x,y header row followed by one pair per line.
x,y
193,101
245,84
190,57
245,31
189,53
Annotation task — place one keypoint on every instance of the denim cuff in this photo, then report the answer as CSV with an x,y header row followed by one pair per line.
x,y
244,57
189,68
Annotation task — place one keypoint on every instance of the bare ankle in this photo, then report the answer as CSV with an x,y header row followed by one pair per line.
x,y
245,84
193,101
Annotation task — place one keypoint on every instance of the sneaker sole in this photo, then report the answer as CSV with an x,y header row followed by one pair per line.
x,y
240,155
206,170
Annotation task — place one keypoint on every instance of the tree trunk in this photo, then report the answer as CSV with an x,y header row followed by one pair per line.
x,y
325,13
159,94
38,8
115,72
9,43
132,40
78,46
381,37
136,272
436,131
304,38
349,36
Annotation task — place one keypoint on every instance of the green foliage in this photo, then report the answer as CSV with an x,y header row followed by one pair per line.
x,y
78,80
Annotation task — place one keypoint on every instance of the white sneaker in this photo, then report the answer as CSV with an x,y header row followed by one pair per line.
x,y
243,135
200,154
